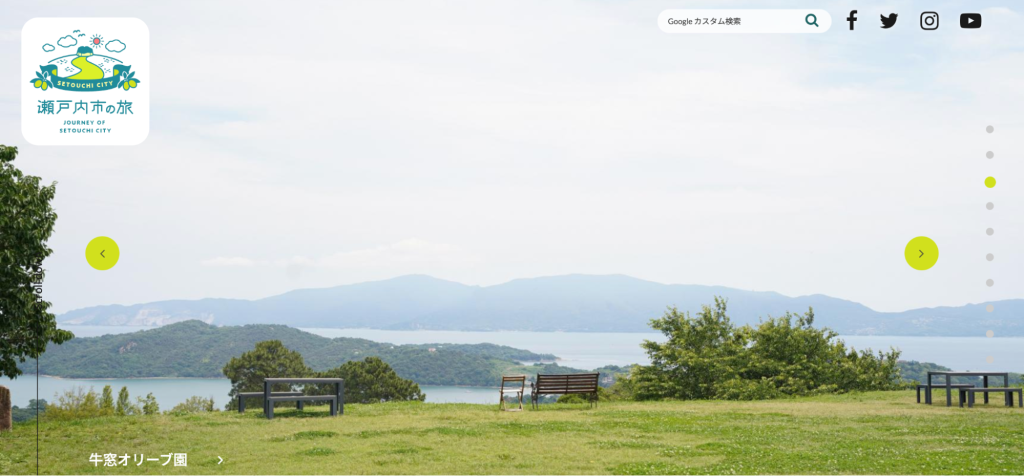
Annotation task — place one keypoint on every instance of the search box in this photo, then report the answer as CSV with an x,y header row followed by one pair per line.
x,y
744,21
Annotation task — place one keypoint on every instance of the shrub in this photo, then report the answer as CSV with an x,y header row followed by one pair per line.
x,y
73,404
602,395
708,357
149,405
194,405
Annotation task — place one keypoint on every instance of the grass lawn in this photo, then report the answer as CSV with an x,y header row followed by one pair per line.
x,y
875,433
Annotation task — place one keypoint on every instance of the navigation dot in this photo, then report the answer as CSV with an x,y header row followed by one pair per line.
x,y
990,232
990,308
990,129
990,154
989,359
990,182
990,283
990,256
990,205
990,334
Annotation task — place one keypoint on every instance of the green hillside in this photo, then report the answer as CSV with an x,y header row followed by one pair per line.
x,y
199,350
858,433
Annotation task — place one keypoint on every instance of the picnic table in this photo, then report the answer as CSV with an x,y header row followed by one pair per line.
x,y
337,399
948,384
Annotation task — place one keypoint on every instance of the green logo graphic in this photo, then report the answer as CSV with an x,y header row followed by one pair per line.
x,y
85,70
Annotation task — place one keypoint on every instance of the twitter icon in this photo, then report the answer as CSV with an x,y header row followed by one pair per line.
x,y
889,21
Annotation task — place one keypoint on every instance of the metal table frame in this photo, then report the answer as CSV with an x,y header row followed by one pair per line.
x,y
339,390
949,382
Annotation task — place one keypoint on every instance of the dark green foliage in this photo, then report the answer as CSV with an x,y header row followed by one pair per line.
x,y
28,413
370,381
26,223
196,349
914,372
708,357
269,359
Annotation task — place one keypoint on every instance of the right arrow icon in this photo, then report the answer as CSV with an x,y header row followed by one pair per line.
x,y
922,254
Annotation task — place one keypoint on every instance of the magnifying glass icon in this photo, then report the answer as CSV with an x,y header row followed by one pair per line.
x,y
811,19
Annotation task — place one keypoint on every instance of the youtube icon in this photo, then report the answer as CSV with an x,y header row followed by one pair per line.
x,y
970,20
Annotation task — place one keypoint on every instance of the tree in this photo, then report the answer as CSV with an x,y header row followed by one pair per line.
x,y
370,381
699,353
26,223
269,359
149,405
107,401
124,406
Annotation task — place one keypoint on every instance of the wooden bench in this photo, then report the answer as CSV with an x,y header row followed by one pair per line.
x,y
564,384
1007,392
243,395
516,385
928,396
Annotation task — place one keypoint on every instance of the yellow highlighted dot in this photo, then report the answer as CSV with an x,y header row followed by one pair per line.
x,y
921,253
102,253
990,182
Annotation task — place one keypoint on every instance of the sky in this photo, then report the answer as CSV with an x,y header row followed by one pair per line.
x,y
299,144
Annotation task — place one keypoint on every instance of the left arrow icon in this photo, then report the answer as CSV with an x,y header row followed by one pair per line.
x,y
101,254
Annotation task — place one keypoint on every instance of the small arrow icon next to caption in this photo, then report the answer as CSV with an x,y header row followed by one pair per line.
x,y
220,460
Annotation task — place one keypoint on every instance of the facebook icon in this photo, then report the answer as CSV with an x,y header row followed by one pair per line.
x,y
852,18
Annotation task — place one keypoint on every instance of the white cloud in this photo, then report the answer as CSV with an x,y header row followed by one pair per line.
x,y
234,261
48,48
115,46
67,41
406,252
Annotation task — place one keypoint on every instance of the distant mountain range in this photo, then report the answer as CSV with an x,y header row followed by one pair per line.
x,y
575,303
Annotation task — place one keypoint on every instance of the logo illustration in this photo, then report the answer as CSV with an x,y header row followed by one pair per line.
x,y
852,18
929,21
970,20
889,21
84,70
85,81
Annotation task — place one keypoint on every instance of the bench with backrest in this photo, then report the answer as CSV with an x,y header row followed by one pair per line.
x,y
928,394
242,396
564,384
1006,391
